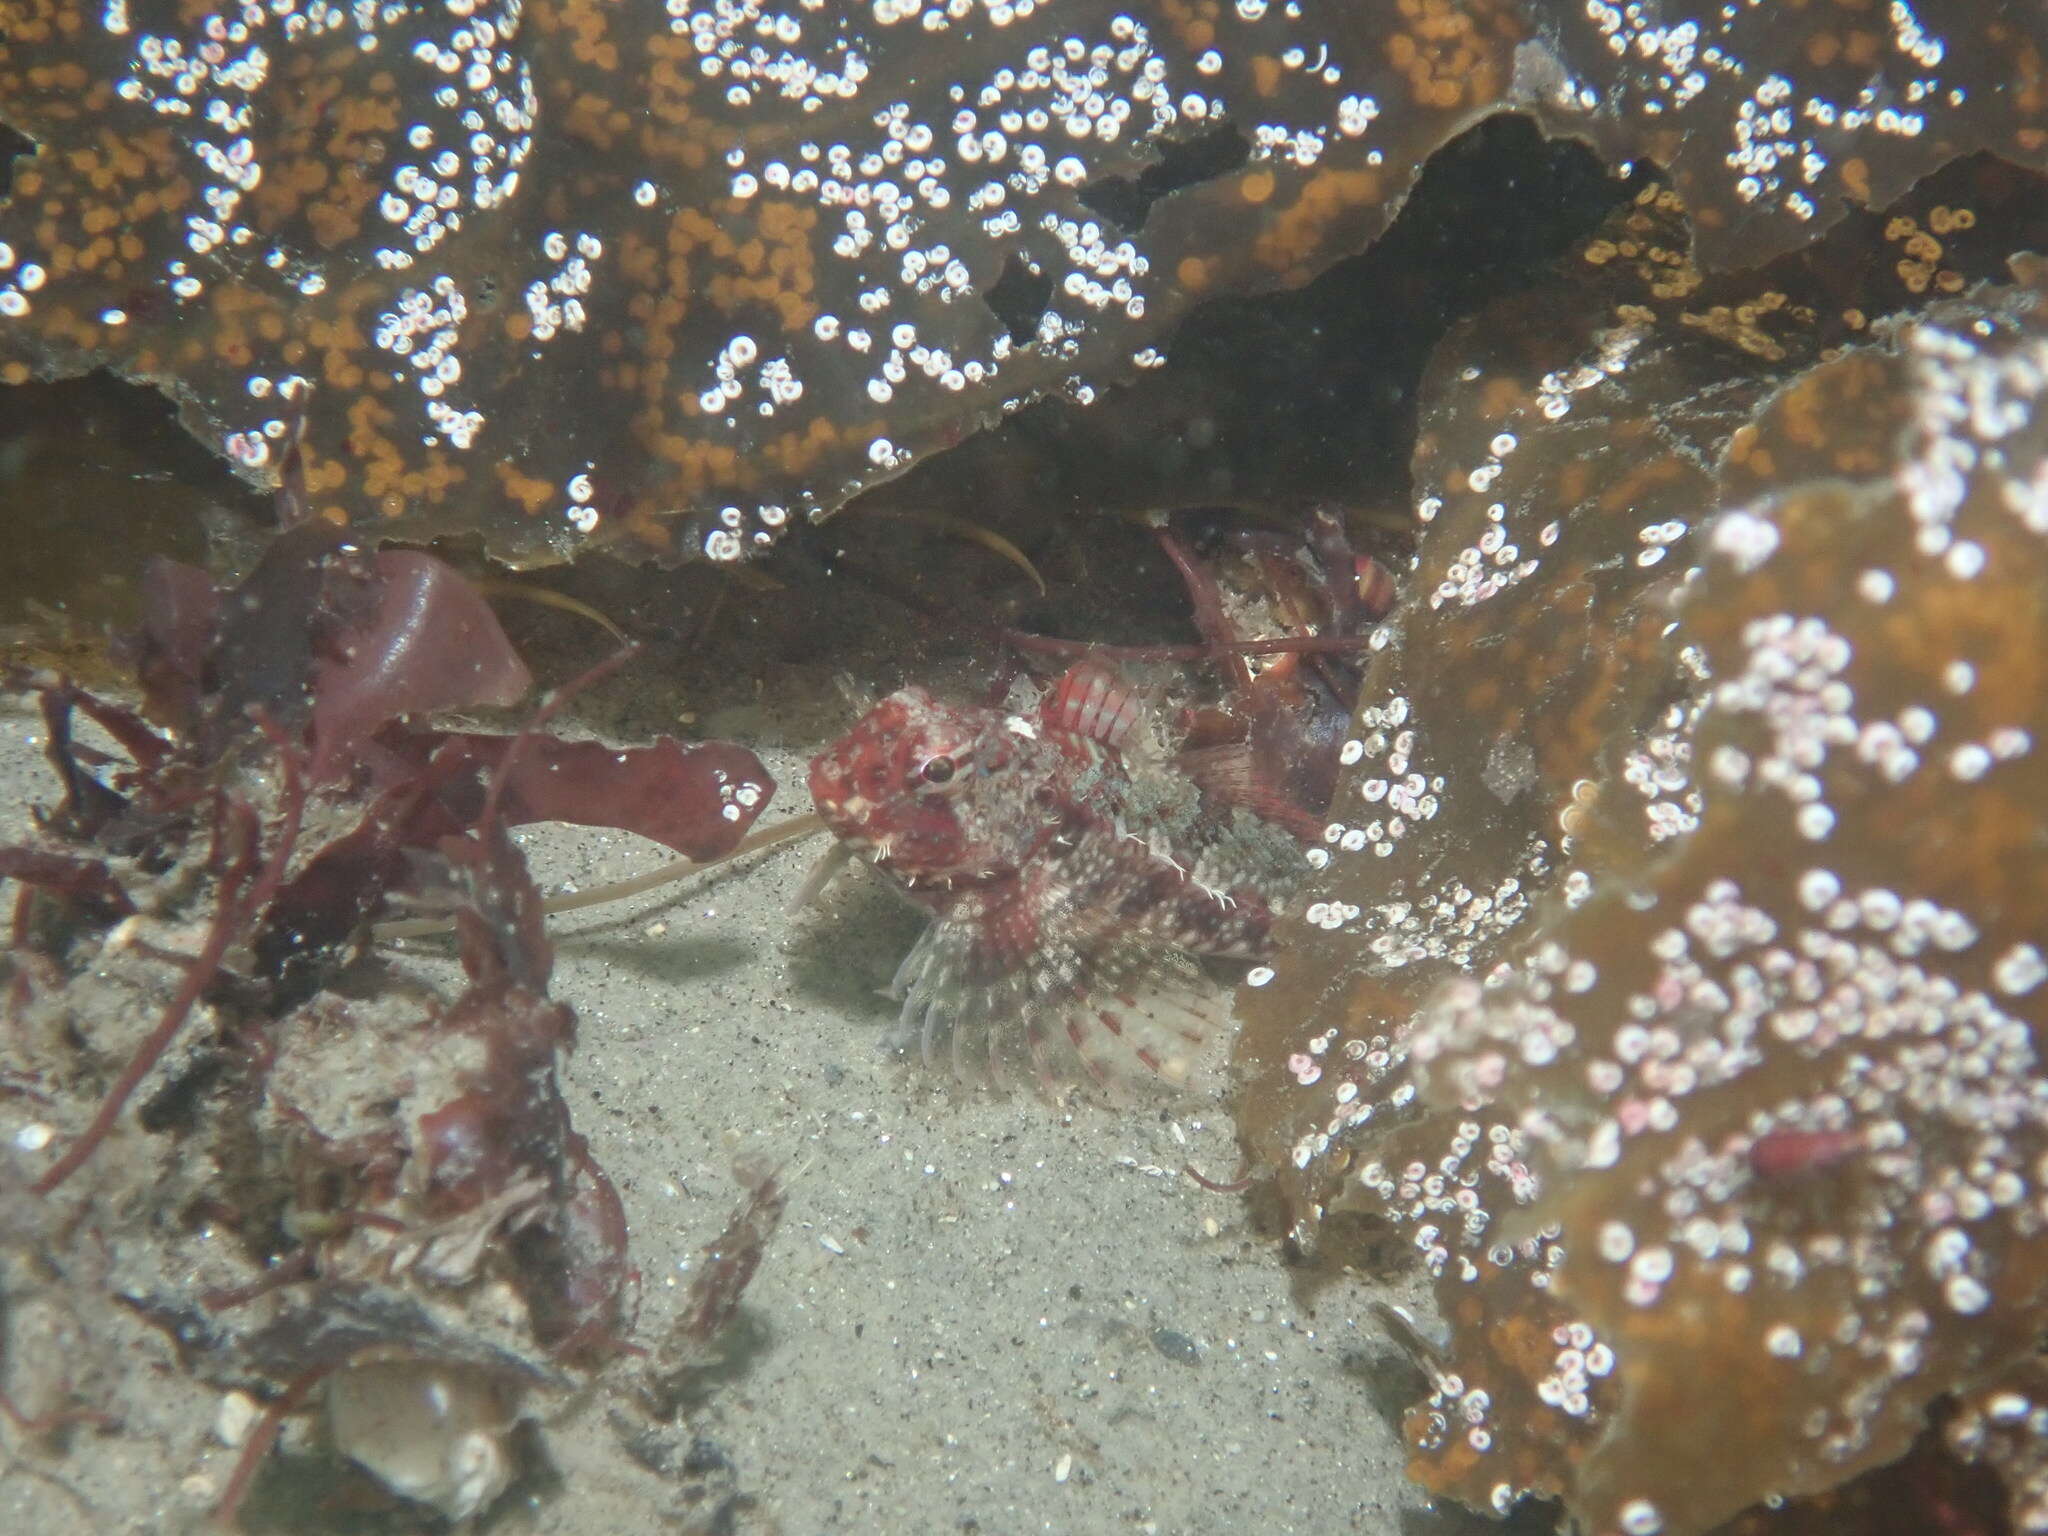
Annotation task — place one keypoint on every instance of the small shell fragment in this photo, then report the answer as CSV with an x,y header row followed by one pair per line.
x,y
428,1430
231,1421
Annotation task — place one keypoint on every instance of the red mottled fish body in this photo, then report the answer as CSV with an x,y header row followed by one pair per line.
x,y
1070,868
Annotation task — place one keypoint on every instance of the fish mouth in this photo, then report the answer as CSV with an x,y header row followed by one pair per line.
x,y
846,817
832,792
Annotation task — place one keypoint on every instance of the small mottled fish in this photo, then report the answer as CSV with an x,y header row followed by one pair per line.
x,y
1072,867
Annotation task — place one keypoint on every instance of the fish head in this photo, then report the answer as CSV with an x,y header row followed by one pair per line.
x,y
933,792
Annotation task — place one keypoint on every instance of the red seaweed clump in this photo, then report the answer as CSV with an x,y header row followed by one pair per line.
x,y
1672,980
404,1198
563,272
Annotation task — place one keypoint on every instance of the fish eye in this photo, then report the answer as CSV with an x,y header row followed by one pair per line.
x,y
936,770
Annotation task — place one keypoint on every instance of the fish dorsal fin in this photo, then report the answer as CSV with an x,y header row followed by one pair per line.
x,y
1093,700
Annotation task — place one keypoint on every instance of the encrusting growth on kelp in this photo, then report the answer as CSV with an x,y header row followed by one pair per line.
x,y
1675,982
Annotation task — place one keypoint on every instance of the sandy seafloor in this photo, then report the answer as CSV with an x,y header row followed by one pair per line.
x,y
981,1313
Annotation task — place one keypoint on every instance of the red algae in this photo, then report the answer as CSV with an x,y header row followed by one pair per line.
x,y
379,1192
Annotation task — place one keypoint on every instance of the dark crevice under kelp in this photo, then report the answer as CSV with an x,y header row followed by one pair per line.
x,y
1669,978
